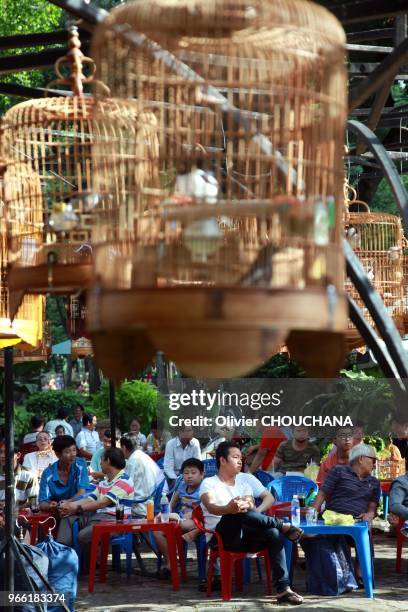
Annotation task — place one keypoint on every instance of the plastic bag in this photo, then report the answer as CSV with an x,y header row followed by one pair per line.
x,y
311,471
62,571
20,582
328,565
337,518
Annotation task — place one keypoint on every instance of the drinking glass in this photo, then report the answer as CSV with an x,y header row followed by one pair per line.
x,y
120,512
311,516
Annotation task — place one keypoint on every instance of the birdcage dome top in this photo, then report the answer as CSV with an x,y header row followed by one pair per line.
x,y
220,18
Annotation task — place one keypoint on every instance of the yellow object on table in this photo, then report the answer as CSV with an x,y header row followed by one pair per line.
x,y
336,518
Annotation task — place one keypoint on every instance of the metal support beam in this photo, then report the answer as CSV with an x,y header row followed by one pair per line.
x,y
385,71
358,11
91,15
390,172
370,338
20,41
9,465
26,61
366,35
15,89
377,310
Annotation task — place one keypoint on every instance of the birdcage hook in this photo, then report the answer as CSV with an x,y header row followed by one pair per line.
x,y
75,60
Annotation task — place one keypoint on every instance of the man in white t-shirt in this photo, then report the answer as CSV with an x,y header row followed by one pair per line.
x,y
143,472
228,507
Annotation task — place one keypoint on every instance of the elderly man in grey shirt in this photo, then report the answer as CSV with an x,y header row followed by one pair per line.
x,y
398,503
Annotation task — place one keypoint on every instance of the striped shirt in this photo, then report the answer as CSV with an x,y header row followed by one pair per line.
x,y
25,485
349,494
120,487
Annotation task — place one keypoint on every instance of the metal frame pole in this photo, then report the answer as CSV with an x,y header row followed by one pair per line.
x,y
9,466
112,413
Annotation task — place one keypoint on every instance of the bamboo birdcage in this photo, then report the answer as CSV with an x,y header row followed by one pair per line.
x,y
377,239
405,281
221,173
27,325
54,135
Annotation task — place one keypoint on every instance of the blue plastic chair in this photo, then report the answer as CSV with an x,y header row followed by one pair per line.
x,y
210,467
283,489
264,477
160,462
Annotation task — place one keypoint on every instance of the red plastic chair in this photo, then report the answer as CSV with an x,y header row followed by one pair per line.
x,y
228,560
400,540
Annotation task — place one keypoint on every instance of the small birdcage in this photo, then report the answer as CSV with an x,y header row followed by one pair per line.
x,y
377,240
219,228
27,325
53,136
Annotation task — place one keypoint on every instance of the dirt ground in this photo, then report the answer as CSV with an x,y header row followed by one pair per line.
x,y
149,594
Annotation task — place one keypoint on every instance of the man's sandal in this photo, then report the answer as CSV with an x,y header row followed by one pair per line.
x,y
296,531
290,597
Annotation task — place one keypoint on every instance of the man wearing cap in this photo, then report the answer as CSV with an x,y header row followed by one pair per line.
x,y
351,489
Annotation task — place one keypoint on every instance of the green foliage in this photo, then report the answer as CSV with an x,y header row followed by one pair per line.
x,y
21,421
133,398
278,366
24,17
384,200
360,397
56,316
46,403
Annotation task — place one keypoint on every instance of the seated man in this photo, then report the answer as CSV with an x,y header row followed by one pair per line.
x,y
95,466
145,475
64,479
25,481
178,449
398,503
351,489
95,506
294,455
228,506
343,442
88,440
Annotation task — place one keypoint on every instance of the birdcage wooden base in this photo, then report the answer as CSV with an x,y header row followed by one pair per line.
x,y
320,353
66,279
209,332
122,355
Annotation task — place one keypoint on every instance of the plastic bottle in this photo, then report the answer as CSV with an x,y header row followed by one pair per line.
x,y
164,508
295,511
311,496
150,509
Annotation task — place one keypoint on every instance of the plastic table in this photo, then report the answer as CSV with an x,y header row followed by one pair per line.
x,y
102,531
359,532
36,520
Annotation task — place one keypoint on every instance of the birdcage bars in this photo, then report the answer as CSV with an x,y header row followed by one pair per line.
x,y
26,326
237,125
54,137
377,239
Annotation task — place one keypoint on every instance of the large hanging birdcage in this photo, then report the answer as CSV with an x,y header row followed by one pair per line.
x,y
27,325
377,239
53,136
219,176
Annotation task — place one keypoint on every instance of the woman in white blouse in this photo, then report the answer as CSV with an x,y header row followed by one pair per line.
x,y
41,459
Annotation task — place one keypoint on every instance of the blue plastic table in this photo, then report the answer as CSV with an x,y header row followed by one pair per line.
x,y
359,532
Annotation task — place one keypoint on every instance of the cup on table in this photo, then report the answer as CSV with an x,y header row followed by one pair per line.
x,y
120,512
311,516
35,506
302,501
